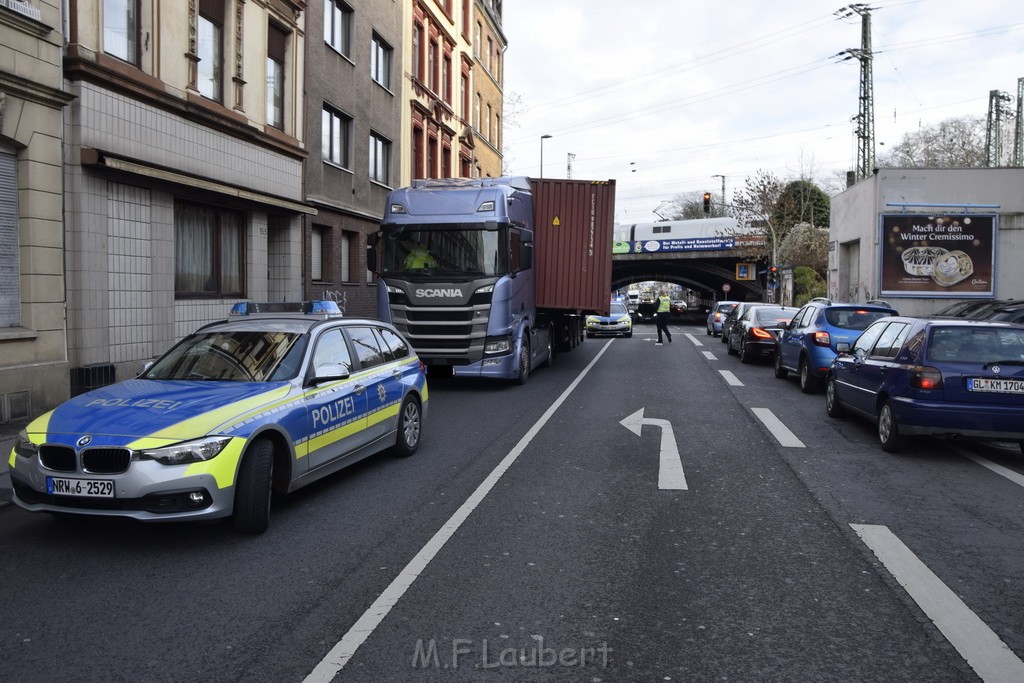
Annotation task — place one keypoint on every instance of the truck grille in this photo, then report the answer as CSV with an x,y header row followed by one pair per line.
x,y
453,335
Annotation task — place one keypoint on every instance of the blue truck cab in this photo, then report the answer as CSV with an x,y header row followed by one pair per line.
x,y
456,276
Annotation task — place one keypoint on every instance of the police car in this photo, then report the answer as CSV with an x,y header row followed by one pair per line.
x,y
273,398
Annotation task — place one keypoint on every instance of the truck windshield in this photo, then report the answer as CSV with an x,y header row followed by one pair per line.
x,y
444,251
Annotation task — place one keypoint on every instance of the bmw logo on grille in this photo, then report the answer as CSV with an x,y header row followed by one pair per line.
x,y
84,441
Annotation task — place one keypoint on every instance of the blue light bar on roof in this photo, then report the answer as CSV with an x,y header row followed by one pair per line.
x,y
319,307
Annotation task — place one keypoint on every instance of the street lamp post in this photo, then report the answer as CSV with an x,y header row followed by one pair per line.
x,y
542,139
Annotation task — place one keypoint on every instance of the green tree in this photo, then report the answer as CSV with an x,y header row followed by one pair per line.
x,y
801,201
807,284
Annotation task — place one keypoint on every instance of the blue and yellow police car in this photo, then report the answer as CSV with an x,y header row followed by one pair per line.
x,y
273,398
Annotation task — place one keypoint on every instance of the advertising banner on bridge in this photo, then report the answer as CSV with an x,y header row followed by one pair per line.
x,y
659,246
938,255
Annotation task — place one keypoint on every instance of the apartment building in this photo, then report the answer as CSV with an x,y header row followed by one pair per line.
x,y
354,52
183,171
488,61
33,356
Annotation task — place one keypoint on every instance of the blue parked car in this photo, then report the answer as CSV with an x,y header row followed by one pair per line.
x,y
933,377
807,345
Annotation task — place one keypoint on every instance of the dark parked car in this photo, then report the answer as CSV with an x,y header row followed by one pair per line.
x,y
735,314
1010,311
754,335
967,309
808,345
933,377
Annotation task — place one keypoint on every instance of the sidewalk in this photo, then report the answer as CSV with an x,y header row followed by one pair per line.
x,y
8,432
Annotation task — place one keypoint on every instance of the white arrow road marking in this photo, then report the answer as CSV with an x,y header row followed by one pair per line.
x,y
732,379
778,430
696,342
670,469
987,654
709,355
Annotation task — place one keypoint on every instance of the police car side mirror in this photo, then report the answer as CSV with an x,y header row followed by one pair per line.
x,y
330,372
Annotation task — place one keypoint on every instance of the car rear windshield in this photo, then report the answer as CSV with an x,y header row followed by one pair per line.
x,y
726,308
976,344
768,315
853,318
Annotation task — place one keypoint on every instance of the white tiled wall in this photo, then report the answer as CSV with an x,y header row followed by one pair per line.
x,y
129,273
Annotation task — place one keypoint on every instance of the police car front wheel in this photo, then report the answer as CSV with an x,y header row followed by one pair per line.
x,y
410,427
252,490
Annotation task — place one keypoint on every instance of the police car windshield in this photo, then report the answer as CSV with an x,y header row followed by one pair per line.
x,y
232,356
450,251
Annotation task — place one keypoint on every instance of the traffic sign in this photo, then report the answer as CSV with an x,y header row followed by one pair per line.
x,y
726,287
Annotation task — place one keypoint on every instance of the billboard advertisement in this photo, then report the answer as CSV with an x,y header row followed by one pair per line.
x,y
938,255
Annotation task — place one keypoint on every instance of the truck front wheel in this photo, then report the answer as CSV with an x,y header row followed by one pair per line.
x,y
524,362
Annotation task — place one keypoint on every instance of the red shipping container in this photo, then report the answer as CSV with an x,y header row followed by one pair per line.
x,y
573,228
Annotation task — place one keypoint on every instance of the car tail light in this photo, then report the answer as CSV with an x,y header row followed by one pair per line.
x,y
822,339
718,317
761,333
926,378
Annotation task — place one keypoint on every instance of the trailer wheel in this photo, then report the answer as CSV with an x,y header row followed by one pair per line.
x,y
523,373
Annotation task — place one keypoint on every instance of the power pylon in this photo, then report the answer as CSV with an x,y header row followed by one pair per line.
x,y
994,134
865,118
1018,127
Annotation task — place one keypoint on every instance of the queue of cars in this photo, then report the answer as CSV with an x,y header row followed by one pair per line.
x,y
269,400
947,376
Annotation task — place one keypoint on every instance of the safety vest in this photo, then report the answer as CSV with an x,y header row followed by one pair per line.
x,y
419,257
664,304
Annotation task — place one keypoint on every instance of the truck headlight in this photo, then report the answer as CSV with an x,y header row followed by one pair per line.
x,y
494,345
187,451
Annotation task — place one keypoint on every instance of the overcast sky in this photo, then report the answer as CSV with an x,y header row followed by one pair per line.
x,y
664,95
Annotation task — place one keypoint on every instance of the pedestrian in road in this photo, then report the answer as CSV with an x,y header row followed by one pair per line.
x,y
661,317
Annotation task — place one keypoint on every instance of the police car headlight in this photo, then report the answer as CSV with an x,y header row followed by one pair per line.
x,y
23,447
624,319
592,320
187,451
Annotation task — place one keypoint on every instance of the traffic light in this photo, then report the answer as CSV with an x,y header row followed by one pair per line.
x,y
707,202
773,275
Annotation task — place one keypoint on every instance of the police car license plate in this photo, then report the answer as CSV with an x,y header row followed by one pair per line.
x,y
998,386
90,488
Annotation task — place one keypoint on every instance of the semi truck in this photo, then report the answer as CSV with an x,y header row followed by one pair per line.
x,y
488,277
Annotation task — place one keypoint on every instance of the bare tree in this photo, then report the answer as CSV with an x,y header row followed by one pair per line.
x,y
512,107
754,204
951,143
688,206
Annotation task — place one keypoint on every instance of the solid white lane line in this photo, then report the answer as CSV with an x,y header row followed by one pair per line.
x,y
777,428
987,654
730,378
696,342
343,651
709,355
1012,475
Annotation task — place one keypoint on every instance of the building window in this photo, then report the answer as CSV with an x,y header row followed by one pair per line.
x,y
10,275
338,26
210,48
476,40
432,66
380,61
417,152
446,79
336,131
490,55
344,254
121,29
380,162
487,128
209,249
476,112
417,43
277,39
319,239
465,98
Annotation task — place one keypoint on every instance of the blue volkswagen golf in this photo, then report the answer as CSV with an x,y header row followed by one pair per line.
x,y
932,377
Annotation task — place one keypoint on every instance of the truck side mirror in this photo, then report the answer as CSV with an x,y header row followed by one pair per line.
x,y
525,255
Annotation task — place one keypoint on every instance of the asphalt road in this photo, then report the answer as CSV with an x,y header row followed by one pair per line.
x,y
528,539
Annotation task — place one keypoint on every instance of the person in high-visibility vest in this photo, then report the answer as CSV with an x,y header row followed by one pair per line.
x,y
418,257
661,317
